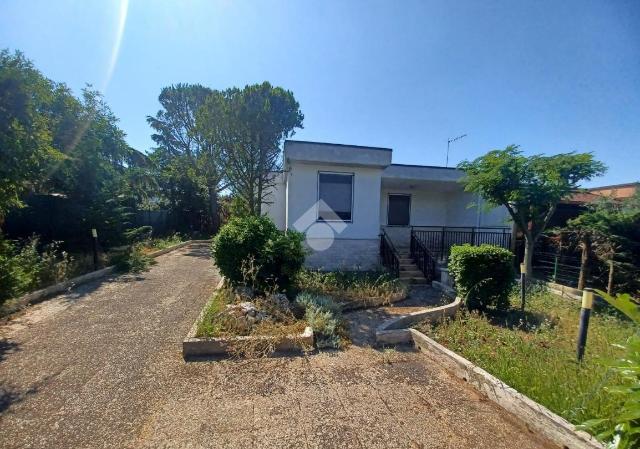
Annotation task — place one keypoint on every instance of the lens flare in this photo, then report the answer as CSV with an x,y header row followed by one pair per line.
x,y
115,51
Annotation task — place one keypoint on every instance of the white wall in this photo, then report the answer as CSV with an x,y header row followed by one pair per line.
x,y
274,205
428,207
303,194
460,214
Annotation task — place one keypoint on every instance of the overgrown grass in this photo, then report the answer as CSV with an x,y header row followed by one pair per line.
x,y
158,243
353,288
534,352
214,323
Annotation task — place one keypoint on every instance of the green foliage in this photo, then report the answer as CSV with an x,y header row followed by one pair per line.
x,y
534,352
213,322
131,260
26,141
324,316
57,145
353,288
529,187
483,275
621,427
249,125
139,234
25,267
251,250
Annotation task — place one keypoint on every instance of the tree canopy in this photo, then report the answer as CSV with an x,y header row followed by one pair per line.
x,y
529,187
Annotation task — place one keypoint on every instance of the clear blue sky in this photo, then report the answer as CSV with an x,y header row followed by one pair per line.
x,y
552,76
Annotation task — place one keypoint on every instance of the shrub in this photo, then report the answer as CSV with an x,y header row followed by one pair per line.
x,y
133,260
251,250
324,316
23,267
483,275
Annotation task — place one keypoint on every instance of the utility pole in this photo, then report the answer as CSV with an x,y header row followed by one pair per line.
x,y
449,142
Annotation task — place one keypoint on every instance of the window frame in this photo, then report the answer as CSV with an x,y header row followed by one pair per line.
x,y
353,183
389,195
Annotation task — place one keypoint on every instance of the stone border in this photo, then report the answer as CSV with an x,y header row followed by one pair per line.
x,y
40,295
396,330
538,418
194,347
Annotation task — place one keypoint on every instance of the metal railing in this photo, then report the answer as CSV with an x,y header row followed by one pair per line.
x,y
389,255
439,239
422,258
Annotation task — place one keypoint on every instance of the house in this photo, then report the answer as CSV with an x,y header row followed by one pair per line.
x,y
343,197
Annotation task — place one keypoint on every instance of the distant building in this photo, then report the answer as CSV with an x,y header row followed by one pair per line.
x,y
578,202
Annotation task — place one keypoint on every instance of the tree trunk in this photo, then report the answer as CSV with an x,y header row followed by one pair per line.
x,y
258,211
584,265
610,282
528,255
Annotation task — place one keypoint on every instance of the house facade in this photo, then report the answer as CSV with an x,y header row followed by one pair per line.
x,y
343,196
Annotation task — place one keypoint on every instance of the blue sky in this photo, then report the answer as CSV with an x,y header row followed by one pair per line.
x,y
551,76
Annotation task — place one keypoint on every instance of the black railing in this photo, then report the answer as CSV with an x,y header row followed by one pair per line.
x,y
439,239
422,258
389,255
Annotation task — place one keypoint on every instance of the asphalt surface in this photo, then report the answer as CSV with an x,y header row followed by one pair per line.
x,y
101,367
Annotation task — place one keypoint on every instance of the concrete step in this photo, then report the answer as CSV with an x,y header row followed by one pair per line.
x,y
415,280
409,267
411,274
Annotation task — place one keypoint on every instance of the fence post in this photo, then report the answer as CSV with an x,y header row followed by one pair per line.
x,y
473,236
585,313
523,286
94,235
442,244
555,269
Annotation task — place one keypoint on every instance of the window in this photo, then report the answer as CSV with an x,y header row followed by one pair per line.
x,y
335,192
399,210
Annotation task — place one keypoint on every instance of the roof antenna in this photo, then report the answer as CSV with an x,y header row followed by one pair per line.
x,y
449,141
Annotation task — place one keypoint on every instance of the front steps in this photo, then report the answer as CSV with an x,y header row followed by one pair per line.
x,y
409,272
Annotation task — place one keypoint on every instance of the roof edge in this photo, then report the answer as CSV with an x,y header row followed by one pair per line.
x,y
337,144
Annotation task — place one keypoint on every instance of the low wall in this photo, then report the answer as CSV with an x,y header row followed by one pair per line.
x,y
343,254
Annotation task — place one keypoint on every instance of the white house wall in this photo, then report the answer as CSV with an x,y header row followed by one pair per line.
x,y
274,204
356,245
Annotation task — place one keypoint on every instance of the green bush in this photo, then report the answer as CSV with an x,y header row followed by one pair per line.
x,y
483,275
252,251
23,267
132,260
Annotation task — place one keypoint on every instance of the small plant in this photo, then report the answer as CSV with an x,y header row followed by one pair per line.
x,y
324,316
24,267
132,260
276,256
483,275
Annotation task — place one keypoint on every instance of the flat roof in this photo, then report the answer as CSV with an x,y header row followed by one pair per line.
x,y
337,145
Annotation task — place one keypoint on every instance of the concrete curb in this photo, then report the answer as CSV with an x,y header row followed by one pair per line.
x,y
40,295
396,330
194,347
538,418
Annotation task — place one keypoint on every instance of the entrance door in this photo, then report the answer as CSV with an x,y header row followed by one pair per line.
x,y
399,209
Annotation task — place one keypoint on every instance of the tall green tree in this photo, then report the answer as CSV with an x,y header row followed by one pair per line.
x,y
529,187
190,164
249,126
26,140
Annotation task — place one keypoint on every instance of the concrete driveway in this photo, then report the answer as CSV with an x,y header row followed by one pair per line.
x,y
101,367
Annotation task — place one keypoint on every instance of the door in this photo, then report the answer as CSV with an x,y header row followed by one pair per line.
x,y
399,209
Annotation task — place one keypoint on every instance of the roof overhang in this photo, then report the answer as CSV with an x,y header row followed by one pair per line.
x,y
336,154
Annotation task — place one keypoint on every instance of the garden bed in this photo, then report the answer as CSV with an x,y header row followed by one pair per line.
x,y
249,326
534,352
354,289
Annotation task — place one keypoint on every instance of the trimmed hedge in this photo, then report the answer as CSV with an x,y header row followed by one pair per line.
x,y
252,251
484,275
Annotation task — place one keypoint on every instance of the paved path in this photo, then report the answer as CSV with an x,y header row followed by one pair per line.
x,y
101,367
